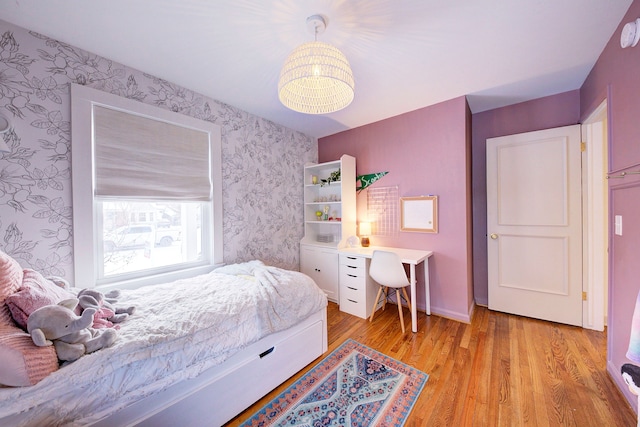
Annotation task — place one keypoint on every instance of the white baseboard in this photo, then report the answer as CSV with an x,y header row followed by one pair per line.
x,y
454,315
616,376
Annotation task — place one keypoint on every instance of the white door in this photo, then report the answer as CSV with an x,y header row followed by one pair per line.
x,y
534,223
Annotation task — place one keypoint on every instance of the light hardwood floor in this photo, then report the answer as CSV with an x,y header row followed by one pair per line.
x,y
500,370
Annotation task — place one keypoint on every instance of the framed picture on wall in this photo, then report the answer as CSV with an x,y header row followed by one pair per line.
x,y
419,214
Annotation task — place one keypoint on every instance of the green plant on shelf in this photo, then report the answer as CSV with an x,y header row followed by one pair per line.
x,y
333,177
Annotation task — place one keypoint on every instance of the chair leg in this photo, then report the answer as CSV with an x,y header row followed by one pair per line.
x,y
375,304
385,289
406,297
400,309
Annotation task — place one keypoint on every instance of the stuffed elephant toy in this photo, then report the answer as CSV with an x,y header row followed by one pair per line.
x,y
72,336
104,304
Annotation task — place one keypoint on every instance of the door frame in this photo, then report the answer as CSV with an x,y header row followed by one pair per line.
x,y
595,207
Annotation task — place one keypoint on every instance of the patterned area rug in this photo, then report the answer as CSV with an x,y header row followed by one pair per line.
x,y
353,386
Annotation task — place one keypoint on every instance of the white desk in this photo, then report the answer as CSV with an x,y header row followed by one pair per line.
x,y
412,257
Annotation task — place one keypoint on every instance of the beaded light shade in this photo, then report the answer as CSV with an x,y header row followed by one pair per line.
x,y
316,77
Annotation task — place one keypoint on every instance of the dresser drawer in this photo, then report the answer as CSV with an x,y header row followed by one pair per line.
x,y
353,261
353,307
348,280
353,295
347,270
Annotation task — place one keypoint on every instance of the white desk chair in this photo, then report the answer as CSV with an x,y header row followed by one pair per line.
x,y
386,268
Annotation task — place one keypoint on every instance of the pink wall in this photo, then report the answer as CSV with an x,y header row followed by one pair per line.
x,y
426,151
616,78
544,113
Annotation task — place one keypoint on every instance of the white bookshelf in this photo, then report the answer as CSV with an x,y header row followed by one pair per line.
x,y
338,198
324,234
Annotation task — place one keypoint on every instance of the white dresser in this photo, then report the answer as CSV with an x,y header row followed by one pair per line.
x,y
360,291
357,290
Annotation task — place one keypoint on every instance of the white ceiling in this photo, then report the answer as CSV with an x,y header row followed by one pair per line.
x,y
405,54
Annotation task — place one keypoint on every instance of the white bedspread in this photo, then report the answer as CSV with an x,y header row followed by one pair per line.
x,y
178,330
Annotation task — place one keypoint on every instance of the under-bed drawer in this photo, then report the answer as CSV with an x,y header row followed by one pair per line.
x,y
227,389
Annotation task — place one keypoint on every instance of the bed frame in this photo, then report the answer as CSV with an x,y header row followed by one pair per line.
x,y
224,391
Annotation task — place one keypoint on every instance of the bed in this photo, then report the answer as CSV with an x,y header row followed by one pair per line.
x,y
195,352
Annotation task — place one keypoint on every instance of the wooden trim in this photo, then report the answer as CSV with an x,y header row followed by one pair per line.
x,y
419,214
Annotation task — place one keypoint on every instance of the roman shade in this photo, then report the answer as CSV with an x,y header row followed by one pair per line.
x,y
142,158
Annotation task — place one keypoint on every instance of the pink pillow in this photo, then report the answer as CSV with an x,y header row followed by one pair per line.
x,y
10,281
23,363
35,292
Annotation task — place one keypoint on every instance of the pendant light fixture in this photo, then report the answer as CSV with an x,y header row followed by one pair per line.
x,y
316,77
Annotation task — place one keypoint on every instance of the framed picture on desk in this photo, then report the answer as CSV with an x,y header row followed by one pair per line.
x,y
419,214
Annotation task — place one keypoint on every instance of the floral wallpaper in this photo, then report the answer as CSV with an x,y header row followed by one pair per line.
x,y
262,162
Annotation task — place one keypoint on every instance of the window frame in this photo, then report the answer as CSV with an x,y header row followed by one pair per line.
x,y
86,215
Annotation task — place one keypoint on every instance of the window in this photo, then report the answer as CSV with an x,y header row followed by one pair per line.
x,y
146,192
129,247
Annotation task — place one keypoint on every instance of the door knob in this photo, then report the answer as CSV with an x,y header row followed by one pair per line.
x,y
494,236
